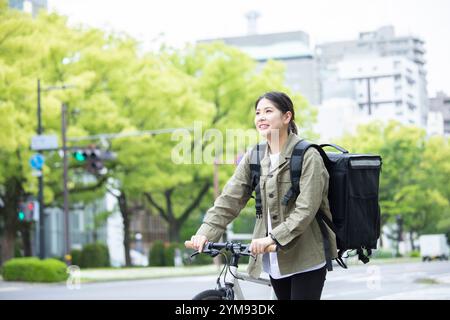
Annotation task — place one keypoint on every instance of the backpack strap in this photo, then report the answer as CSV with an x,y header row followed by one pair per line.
x,y
296,166
255,168
296,170
326,240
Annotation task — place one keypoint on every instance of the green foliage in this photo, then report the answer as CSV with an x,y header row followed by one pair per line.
x,y
245,222
157,256
34,270
94,255
198,260
414,254
76,257
169,253
382,254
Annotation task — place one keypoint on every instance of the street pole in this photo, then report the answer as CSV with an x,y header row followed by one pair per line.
x,y
42,253
67,256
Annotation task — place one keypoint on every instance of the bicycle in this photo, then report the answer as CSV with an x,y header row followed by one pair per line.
x,y
231,289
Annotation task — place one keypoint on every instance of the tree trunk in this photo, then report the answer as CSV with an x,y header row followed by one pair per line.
x,y
168,214
26,239
126,227
7,245
13,192
174,231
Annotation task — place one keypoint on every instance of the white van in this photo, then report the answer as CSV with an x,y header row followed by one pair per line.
x,y
433,246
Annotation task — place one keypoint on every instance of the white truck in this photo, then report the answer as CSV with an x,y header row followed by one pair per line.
x,y
433,246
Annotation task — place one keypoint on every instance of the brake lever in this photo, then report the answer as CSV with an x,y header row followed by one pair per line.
x,y
194,254
246,252
213,253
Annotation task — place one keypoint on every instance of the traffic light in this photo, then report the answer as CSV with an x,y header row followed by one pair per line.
x,y
93,158
79,155
26,211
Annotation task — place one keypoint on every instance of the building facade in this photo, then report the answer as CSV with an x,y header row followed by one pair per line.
x,y
291,48
439,119
389,72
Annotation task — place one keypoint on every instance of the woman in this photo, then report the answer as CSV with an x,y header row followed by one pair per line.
x,y
297,270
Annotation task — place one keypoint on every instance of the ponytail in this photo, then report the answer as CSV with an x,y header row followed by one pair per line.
x,y
292,127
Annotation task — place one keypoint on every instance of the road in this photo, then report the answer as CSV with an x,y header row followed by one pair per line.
x,y
408,281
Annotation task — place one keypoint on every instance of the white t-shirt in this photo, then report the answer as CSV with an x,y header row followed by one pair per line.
x,y
270,260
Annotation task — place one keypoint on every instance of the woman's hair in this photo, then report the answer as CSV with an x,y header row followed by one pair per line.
x,y
283,103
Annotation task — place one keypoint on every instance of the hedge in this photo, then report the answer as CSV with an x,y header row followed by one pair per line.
x,y
76,257
94,255
157,256
34,270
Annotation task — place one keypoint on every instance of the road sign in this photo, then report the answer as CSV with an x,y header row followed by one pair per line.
x,y
37,161
36,173
44,142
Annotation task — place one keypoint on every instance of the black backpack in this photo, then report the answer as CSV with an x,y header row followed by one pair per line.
x,y
352,194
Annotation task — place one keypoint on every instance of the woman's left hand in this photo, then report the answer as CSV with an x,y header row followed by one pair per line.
x,y
259,245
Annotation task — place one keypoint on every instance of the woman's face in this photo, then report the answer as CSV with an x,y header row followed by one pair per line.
x,y
268,119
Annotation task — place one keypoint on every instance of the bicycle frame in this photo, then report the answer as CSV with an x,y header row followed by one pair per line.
x,y
233,281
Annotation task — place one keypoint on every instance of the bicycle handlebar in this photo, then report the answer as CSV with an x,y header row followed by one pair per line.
x,y
229,246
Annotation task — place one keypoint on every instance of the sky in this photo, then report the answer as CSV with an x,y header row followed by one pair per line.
x,y
176,22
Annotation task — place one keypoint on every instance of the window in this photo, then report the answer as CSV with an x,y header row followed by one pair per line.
x,y
410,81
411,106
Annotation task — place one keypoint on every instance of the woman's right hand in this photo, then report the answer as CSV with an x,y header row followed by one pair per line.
x,y
197,242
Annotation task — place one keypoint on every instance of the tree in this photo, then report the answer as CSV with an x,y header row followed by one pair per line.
x,y
46,48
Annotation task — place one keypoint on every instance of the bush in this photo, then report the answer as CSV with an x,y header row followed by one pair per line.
x,y
198,260
34,270
414,254
94,255
382,254
156,256
169,253
76,257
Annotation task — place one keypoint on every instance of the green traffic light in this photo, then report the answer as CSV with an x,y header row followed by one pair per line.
x,y
79,156
21,216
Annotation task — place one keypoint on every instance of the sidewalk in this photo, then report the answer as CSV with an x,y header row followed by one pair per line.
x,y
118,274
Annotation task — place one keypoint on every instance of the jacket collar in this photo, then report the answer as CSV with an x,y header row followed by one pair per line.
x,y
285,154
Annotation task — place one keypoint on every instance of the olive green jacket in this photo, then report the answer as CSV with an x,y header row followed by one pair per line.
x,y
293,226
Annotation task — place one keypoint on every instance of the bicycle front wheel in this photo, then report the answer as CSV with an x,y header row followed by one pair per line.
x,y
210,295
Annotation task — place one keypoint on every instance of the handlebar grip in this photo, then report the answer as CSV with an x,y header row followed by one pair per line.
x,y
271,248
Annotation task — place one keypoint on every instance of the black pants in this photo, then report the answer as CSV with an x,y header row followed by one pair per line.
x,y
301,286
